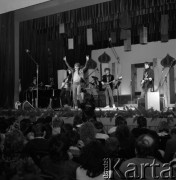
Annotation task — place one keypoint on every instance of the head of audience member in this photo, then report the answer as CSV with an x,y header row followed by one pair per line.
x,y
26,129
25,124
87,132
74,138
92,156
112,147
77,66
88,108
39,130
145,146
57,124
122,133
13,144
173,132
67,128
99,128
119,120
107,71
163,127
142,122
77,121
59,146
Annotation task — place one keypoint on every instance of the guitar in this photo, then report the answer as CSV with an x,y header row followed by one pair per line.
x,y
145,80
65,84
115,82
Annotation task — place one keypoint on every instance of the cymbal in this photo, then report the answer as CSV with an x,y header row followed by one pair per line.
x,y
94,77
48,86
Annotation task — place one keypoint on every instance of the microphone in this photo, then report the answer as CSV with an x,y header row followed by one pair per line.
x,y
27,51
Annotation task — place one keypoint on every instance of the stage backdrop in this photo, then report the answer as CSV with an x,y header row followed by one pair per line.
x,y
153,51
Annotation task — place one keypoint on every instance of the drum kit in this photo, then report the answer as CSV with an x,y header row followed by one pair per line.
x,y
93,86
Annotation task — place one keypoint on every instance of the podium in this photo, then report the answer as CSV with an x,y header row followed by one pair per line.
x,y
152,100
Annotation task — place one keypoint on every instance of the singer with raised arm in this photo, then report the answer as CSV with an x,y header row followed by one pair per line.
x,y
77,76
107,82
147,82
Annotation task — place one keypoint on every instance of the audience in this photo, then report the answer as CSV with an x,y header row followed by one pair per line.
x,y
119,120
170,146
91,163
87,132
145,149
13,162
163,133
58,163
37,147
100,132
142,128
126,142
46,148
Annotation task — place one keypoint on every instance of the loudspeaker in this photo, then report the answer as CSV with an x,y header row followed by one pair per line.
x,y
152,100
27,106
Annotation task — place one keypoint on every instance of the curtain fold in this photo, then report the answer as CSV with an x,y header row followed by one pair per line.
x,y
7,60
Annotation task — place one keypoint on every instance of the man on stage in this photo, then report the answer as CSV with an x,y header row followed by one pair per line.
x,y
107,82
77,74
65,94
148,79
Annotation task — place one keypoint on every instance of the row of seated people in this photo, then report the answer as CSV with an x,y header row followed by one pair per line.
x,y
49,149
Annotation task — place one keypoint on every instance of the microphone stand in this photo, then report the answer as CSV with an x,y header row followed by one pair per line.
x,y
37,73
113,50
90,73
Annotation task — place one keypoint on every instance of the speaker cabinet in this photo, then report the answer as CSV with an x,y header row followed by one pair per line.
x,y
152,100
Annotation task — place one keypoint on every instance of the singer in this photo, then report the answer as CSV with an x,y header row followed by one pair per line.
x,y
77,74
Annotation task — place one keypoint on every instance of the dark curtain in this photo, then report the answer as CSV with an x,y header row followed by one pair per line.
x,y
7,60
48,51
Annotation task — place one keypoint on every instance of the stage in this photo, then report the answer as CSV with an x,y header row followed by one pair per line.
x,y
104,115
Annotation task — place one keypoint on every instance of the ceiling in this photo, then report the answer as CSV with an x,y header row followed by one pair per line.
x,y
11,5
51,7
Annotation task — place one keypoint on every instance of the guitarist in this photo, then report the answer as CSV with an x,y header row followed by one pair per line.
x,y
107,82
148,79
65,94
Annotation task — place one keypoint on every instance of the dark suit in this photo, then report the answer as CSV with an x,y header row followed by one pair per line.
x,y
148,73
108,89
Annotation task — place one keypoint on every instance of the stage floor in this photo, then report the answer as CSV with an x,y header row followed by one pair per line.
x,y
119,108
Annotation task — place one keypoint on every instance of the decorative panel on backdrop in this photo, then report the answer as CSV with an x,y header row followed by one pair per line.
x,y
104,58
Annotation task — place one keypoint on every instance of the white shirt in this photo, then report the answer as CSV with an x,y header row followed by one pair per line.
x,y
76,77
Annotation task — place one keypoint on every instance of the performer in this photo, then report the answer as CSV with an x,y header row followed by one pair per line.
x,y
51,82
34,83
77,76
107,82
148,79
66,89
94,82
